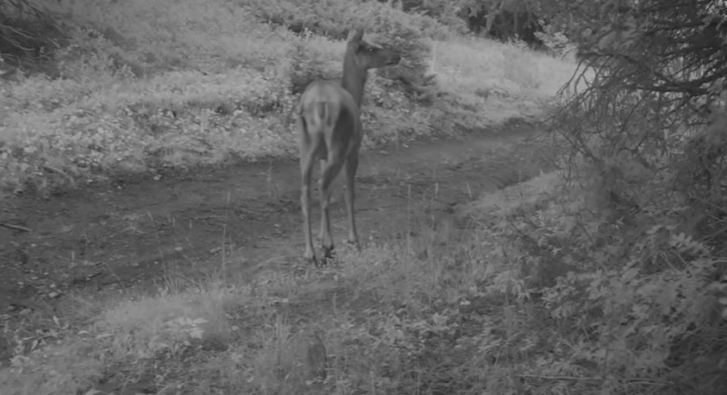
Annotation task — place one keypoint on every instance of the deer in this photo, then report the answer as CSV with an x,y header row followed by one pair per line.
x,y
329,128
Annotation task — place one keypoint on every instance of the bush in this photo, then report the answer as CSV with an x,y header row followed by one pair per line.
x,y
643,291
89,55
401,31
404,33
61,130
443,11
334,18
306,66
329,18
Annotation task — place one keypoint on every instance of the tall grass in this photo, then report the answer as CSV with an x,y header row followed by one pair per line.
x,y
386,318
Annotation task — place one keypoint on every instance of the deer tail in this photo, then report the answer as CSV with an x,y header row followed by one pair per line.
x,y
319,115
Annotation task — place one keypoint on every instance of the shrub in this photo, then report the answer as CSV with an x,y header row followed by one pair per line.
x,y
330,18
443,11
633,298
407,33
89,55
306,66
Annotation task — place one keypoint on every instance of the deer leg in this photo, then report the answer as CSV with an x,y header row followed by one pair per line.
x,y
333,167
351,167
320,196
307,156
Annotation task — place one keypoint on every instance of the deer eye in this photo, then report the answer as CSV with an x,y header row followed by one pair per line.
x,y
371,49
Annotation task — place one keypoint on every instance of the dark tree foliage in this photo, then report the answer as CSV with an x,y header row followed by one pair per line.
x,y
504,24
499,19
656,46
28,37
657,92
647,110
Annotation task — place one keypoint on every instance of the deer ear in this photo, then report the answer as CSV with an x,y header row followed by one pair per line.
x,y
355,36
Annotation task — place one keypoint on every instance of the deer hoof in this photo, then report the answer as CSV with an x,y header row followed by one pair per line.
x,y
354,244
328,254
311,258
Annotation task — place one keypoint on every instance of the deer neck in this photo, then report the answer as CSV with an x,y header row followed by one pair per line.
x,y
353,79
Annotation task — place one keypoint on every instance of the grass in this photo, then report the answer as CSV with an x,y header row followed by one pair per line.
x,y
439,311
208,84
502,80
545,286
387,320
442,312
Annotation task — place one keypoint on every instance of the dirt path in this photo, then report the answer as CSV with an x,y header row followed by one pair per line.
x,y
231,220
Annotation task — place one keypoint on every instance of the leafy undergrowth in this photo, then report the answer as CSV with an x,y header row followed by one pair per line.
x,y
497,308
430,315
138,87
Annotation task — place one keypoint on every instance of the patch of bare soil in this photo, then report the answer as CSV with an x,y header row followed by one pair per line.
x,y
235,220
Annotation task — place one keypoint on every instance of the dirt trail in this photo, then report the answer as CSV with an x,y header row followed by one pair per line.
x,y
145,231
